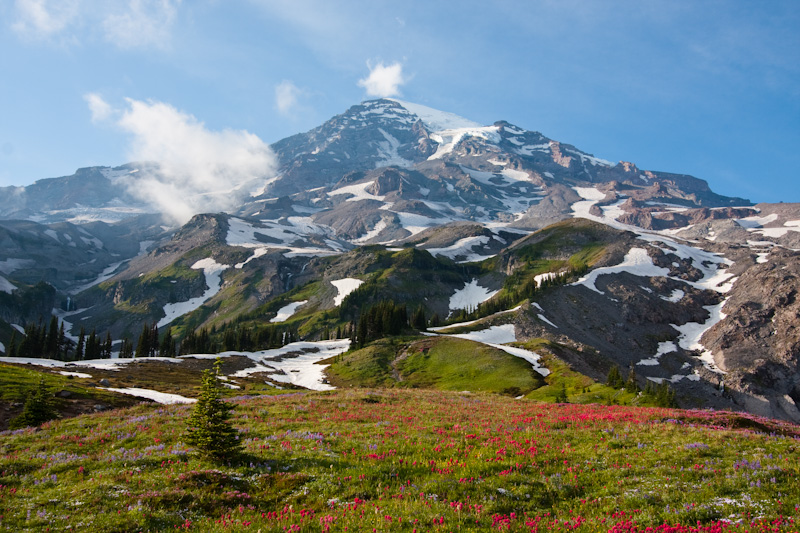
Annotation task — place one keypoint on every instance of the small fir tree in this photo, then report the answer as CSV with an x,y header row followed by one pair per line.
x,y
561,397
615,378
37,410
631,384
209,428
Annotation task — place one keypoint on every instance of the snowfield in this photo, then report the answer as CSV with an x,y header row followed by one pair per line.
x,y
285,312
463,247
636,262
295,363
158,397
345,286
213,273
6,286
470,296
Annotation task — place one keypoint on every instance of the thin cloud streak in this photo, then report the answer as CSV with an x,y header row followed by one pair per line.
x,y
125,24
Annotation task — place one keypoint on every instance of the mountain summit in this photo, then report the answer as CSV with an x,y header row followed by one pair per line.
x,y
397,207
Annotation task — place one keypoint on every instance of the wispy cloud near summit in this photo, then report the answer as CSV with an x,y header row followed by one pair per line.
x,y
196,170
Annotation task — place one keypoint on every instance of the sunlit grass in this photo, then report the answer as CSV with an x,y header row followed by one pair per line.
x,y
405,460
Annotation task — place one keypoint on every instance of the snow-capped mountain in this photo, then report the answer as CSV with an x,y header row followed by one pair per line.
x,y
393,200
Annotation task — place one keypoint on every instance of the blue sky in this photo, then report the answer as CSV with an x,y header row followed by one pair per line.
x,y
708,88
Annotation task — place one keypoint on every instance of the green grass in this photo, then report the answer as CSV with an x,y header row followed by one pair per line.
x,y
405,460
579,388
441,363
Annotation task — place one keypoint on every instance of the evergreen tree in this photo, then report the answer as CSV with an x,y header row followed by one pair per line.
x,y
11,351
38,408
51,339
418,320
143,346
167,346
93,346
209,429
561,397
63,343
126,351
614,379
107,346
631,385
79,349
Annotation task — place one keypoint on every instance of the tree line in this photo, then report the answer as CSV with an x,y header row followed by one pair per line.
x,y
50,341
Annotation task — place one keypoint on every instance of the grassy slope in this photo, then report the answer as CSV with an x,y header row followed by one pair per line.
x,y
405,460
442,363
85,396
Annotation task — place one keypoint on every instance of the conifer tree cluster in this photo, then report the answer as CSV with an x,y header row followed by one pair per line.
x,y
209,429
148,341
51,342
238,337
662,394
383,318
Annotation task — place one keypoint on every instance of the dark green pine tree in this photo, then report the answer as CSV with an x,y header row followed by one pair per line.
x,y
126,351
167,346
209,429
631,384
108,345
11,351
51,339
37,410
143,346
615,378
79,349
561,396
418,320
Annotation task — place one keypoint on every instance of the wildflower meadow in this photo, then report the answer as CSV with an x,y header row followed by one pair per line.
x,y
406,460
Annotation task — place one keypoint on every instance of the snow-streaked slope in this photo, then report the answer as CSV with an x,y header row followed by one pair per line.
x,y
295,363
284,313
6,286
213,273
636,262
158,397
344,287
463,247
470,296
437,120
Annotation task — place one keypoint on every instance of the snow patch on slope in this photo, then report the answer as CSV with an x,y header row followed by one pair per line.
x,y
470,296
6,286
158,397
213,273
345,286
448,139
295,363
463,247
437,120
636,262
285,312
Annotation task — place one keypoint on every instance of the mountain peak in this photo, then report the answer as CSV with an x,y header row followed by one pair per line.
x,y
436,120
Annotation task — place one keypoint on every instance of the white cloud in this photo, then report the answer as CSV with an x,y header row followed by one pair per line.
x,y
101,110
196,170
286,97
383,80
141,23
43,18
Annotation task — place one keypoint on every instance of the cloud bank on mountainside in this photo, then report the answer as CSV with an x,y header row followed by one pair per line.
x,y
196,170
